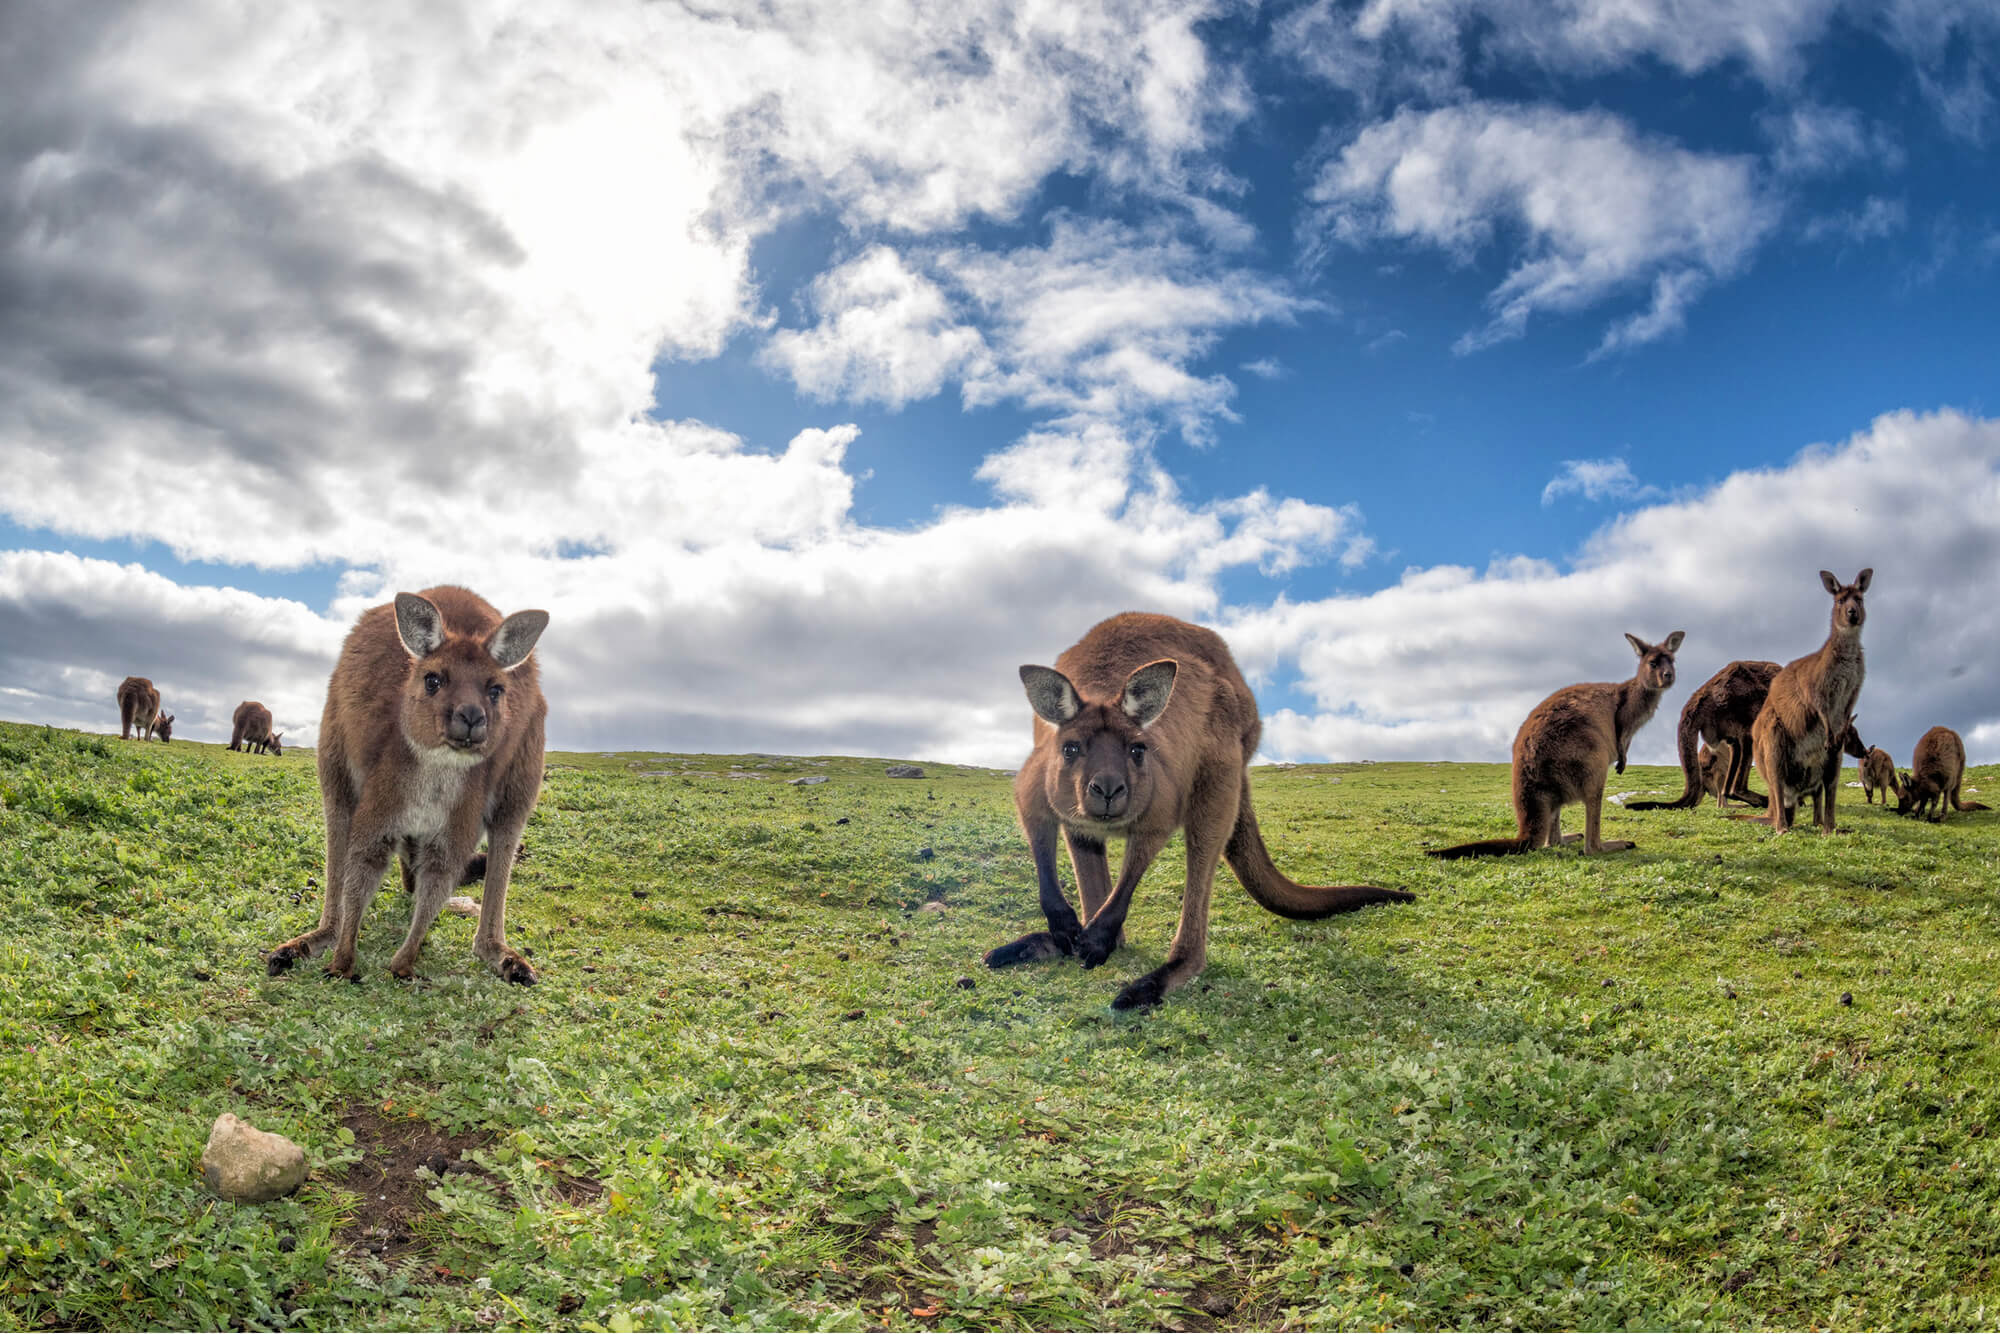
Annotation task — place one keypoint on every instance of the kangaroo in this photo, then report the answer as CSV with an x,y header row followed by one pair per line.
x,y
1564,747
1934,778
1111,759
1720,712
138,706
1878,774
1797,748
432,734
253,730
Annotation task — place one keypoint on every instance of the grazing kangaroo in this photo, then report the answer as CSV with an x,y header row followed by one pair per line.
x,y
252,730
432,734
139,706
1564,747
1878,774
1796,745
1934,778
1111,759
1720,712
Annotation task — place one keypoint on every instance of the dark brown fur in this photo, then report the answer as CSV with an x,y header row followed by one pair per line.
x,y
1796,744
417,756
1564,748
139,707
252,730
1145,727
1719,712
1936,773
1878,774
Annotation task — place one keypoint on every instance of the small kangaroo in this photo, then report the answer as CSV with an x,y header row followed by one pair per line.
x,y
1878,774
1564,748
252,730
1797,747
1111,759
1933,781
1720,712
432,734
139,706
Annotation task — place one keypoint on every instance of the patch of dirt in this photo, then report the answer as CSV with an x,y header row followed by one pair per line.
x,y
395,1194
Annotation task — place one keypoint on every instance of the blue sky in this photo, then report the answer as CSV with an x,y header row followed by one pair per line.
x,y
1422,346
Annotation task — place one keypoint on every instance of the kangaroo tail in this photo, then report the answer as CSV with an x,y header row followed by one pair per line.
x,y
126,705
1689,737
1273,889
1486,847
1958,805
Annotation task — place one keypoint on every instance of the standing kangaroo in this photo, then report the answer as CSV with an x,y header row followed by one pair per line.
x,y
1878,774
1796,739
1720,712
1111,759
432,733
1934,778
1564,748
252,730
139,706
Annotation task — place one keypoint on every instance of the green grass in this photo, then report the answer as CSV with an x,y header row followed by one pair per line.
x,y
752,1091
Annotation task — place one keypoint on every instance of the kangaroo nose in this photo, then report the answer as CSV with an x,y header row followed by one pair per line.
x,y
467,723
1107,789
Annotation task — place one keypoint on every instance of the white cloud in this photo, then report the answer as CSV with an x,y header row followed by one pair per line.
x,y
1599,208
1814,140
1446,664
1876,218
885,335
1596,479
1267,368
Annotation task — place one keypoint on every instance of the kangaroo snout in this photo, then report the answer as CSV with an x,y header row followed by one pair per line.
x,y
1107,795
466,726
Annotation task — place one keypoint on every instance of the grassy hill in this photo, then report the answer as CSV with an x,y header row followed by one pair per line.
x,y
1724,1080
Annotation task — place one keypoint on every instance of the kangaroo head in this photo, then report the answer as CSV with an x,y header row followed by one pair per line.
x,y
1101,769
1656,661
1909,791
1848,612
276,749
1850,741
163,727
455,702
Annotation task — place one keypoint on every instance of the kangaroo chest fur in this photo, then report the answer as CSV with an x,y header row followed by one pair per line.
x,y
433,789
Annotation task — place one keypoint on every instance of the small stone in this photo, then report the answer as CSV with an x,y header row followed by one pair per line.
x,y
925,854
842,956
249,1165
1062,1234
853,1014
642,893
1847,998
1217,1305
903,771
811,780
935,905
841,820
966,984
437,1163
463,906
288,1243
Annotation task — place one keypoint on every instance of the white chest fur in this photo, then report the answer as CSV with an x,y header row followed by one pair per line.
x,y
436,787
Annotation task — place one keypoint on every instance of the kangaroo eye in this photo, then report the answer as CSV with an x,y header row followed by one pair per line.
x,y
1071,750
1137,750
431,682
494,693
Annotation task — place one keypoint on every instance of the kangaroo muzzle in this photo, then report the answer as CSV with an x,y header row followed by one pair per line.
x,y
466,726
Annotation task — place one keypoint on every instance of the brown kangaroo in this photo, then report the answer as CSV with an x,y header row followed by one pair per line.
x,y
1564,747
1934,778
432,733
253,730
1878,774
139,706
1112,760
1796,745
1720,712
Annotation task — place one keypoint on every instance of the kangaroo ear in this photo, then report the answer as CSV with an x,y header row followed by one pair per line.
x,y
1638,644
1147,691
1861,580
514,638
1832,584
419,624
1673,641
1050,694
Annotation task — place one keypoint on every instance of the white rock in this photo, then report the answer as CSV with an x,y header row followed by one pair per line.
x,y
462,905
249,1165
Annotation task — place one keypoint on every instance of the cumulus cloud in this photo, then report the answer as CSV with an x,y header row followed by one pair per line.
x,y
1599,208
1445,664
1596,479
